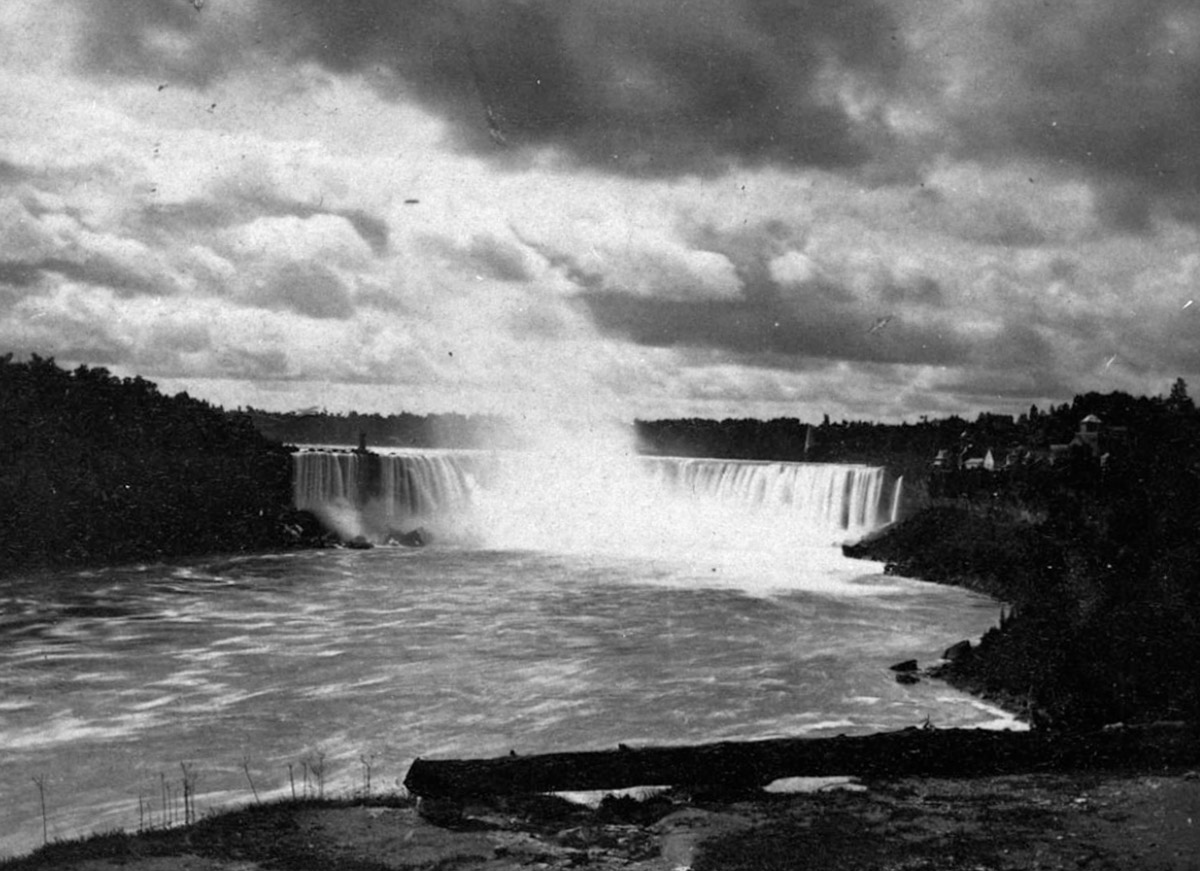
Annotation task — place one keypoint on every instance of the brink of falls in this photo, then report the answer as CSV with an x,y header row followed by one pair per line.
x,y
556,501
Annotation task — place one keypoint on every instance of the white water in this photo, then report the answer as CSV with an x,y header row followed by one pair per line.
x,y
586,501
564,631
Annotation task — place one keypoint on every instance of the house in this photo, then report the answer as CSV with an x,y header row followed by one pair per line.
x,y
986,462
1088,435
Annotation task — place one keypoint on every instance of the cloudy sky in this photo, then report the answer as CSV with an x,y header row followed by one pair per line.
x,y
647,208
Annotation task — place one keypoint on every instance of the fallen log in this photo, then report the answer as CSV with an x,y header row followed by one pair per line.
x,y
743,765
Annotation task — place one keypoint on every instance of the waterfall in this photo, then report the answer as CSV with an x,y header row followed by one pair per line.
x,y
372,494
828,496
530,500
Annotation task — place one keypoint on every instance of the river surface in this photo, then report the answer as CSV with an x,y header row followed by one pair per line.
x,y
292,672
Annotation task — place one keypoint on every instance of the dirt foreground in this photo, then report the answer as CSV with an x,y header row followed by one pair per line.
x,y
1095,820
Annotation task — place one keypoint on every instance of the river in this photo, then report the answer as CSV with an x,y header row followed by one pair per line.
x,y
281,673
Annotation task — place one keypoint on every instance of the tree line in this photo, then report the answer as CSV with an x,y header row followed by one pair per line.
x,y
96,469
402,430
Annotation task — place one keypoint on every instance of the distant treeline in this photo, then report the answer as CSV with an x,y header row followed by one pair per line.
x,y
97,469
905,448
909,448
403,430
867,441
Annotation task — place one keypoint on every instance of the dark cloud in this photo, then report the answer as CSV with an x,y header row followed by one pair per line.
x,y
11,173
306,288
76,336
1163,344
1014,390
161,39
19,273
1063,269
181,338
769,328
974,218
1018,347
1109,87
254,365
1125,207
163,350
371,294
770,322
919,290
372,230
1006,227
639,86
499,258
91,269
485,254
537,322
230,207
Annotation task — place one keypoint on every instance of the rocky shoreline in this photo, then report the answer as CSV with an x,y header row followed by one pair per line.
x,y
1092,633
963,550
1097,819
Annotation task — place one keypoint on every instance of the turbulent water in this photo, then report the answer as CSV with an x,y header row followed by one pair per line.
x,y
258,671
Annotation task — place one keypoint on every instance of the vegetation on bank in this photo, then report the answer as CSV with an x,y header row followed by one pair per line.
x,y
1132,817
267,833
99,469
1101,565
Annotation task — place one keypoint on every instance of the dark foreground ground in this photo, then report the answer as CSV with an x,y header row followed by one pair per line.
x,y
1093,820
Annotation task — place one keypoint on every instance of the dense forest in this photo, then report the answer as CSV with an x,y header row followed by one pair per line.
x,y
95,468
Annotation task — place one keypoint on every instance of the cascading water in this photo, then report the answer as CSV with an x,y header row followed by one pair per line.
x,y
371,494
840,498
562,502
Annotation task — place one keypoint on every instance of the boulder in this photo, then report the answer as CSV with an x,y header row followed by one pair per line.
x,y
302,529
960,651
907,677
909,665
415,538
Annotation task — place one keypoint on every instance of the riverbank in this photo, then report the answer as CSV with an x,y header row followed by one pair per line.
x,y
1095,819
995,554
101,470
1103,620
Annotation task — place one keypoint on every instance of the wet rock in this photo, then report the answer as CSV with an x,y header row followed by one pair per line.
x,y
907,666
415,538
956,652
